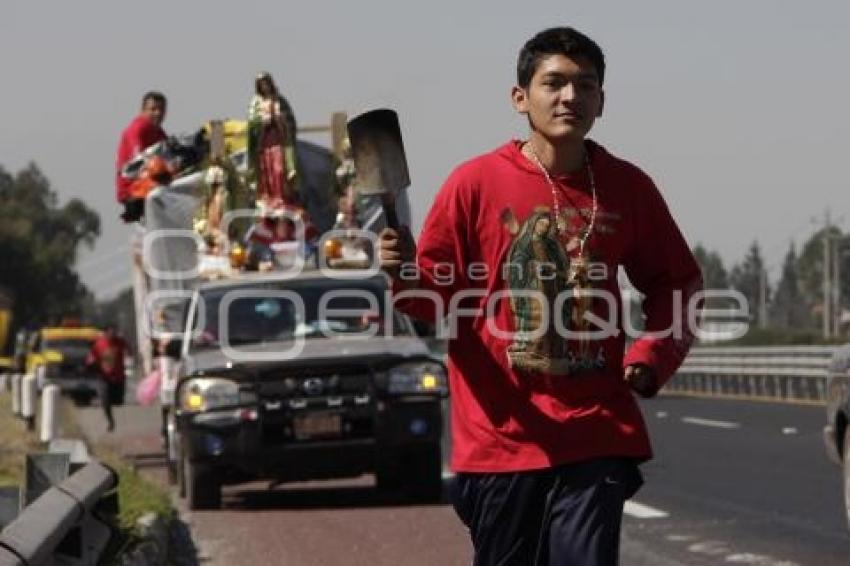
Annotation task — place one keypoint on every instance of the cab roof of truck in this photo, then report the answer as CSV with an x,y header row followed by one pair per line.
x,y
76,332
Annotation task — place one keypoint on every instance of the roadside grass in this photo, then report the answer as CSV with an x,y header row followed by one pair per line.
x,y
137,495
15,443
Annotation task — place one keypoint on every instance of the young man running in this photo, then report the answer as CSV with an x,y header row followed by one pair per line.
x,y
546,431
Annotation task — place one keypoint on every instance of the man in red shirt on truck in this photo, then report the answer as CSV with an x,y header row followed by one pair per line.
x,y
107,358
547,435
144,131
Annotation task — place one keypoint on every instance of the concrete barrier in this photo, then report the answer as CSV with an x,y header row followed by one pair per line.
x,y
16,394
29,398
49,412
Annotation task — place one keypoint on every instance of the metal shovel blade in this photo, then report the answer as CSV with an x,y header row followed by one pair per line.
x,y
379,157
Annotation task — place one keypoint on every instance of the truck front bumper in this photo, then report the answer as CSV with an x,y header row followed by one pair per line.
x,y
258,448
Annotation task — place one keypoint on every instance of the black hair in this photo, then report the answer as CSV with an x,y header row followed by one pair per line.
x,y
154,96
266,77
557,41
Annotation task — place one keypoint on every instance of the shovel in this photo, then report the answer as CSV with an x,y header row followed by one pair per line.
x,y
379,159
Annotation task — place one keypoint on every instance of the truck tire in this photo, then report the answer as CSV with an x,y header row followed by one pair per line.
x,y
172,462
82,399
388,475
171,465
414,471
423,475
181,476
846,469
202,488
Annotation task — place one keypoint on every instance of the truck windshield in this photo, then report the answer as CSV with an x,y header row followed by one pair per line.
x,y
69,347
287,310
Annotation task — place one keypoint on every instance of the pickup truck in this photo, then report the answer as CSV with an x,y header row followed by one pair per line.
x,y
836,434
58,355
312,376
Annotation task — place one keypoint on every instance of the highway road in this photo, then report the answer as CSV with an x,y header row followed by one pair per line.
x,y
733,482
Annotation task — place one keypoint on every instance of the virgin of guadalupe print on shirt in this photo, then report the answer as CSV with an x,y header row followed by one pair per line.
x,y
537,271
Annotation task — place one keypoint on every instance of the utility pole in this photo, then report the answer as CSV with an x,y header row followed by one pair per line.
x,y
763,298
827,291
836,286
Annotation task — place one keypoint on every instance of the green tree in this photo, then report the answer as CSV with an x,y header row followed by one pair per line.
x,y
789,309
714,275
39,241
810,270
746,277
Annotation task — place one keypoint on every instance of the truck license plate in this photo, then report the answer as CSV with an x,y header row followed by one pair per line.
x,y
317,425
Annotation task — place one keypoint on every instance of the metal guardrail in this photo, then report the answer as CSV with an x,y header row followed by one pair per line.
x,y
57,524
777,373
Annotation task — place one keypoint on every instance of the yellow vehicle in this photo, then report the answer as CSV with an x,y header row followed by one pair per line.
x,y
58,355
6,364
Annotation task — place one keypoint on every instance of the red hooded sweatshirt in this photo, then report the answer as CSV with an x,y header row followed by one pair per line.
x,y
520,400
138,135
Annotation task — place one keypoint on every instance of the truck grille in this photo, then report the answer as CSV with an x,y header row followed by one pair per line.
x,y
313,383
287,394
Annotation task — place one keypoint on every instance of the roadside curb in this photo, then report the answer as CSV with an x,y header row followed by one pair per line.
x,y
159,542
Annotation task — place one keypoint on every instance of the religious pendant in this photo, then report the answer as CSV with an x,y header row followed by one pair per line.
x,y
561,223
578,270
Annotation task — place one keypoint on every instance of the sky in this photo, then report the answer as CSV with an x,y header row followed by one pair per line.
x,y
736,109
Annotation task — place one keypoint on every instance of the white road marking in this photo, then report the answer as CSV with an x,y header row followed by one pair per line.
x,y
710,422
661,414
709,547
759,559
680,538
789,430
641,511
717,548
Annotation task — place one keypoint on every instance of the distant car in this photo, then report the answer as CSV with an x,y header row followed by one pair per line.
x,y
836,433
58,355
345,405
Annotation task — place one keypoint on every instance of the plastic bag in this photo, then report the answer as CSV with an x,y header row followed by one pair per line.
x,y
148,389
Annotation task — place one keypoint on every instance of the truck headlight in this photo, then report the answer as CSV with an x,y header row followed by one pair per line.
x,y
207,393
418,377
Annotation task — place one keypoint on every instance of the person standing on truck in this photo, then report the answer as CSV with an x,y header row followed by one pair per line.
x,y
547,434
106,357
142,132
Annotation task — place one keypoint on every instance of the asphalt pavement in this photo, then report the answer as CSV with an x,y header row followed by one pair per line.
x,y
732,482
740,483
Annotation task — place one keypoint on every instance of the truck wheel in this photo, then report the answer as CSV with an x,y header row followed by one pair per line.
x,y
203,491
181,476
846,468
423,475
170,464
171,452
81,399
388,475
415,470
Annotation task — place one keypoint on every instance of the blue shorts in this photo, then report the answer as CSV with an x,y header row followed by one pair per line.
x,y
567,515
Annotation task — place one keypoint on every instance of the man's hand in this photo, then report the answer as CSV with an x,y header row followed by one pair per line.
x,y
396,247
642,380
